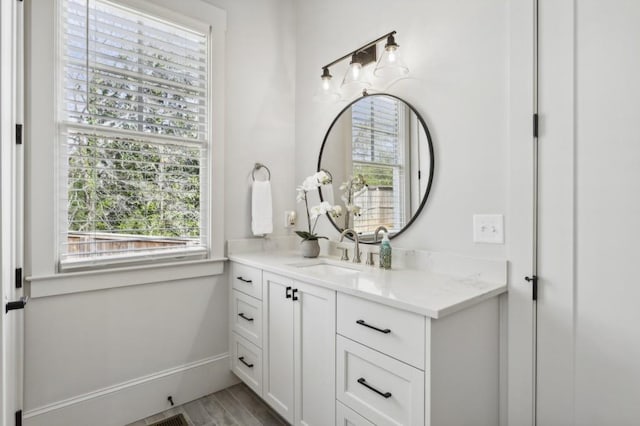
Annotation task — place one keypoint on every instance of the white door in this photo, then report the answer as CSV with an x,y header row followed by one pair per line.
x,y
278,344
10,213
589,292
314,355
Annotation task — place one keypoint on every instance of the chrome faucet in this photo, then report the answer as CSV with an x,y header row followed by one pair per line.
x,y
377,231
356,254
375,240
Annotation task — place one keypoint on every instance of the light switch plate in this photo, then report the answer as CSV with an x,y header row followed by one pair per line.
x,y
488,228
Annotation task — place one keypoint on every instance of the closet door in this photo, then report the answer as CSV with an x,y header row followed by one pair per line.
x,y
278,344
589,224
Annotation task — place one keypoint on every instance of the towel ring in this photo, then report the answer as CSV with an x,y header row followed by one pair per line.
x,y
259,166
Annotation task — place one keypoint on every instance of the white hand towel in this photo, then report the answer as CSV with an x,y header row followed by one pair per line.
x,y
261,210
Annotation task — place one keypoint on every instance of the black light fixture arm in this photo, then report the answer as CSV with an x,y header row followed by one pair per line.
x,y
361,48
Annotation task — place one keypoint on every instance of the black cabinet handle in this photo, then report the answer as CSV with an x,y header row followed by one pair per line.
x,y
241,359
364,383
295,290
244,280
385,331
243,316
287,293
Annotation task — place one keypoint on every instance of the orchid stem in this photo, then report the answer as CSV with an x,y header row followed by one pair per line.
x,y
306,204
314,225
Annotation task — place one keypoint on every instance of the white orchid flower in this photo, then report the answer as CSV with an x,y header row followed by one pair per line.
x,y
310,183
325,206
315,211
323,177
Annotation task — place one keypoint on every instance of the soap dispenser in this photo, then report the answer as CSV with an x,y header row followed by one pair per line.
x,y
385,252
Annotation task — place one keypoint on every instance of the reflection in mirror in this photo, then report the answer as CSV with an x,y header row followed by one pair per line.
x,y
379,154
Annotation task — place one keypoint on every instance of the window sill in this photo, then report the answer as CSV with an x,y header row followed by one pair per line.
x,y
101,279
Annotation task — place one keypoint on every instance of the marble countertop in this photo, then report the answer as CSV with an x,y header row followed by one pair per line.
x,y
422,291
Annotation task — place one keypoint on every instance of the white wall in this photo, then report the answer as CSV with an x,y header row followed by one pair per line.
x,y
457,53
83,343
260,107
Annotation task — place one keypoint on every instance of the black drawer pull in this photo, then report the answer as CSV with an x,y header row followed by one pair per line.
x,y
385,331
241,359
244,280
364,383
243,316
295,290
287,293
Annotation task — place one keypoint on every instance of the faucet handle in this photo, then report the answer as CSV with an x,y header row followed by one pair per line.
x,y
370,255
345,253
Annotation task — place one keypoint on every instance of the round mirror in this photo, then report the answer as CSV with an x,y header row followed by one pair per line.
x,y
379,155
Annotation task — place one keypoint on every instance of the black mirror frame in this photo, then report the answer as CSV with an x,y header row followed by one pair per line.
x,y
431,162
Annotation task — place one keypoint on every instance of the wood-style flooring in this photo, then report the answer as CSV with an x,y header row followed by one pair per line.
x,y
237,405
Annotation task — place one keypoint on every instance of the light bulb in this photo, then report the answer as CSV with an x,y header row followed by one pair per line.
x,y
392,55
355,70
325,92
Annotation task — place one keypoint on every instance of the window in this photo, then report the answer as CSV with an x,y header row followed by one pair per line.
x,y
378,128
134,136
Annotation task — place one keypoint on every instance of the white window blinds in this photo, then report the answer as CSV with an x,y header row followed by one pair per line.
x,y
134,136
378,155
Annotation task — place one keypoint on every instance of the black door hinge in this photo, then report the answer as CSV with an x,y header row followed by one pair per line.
x,y
18,304
18,277
19,413
534,286
535,125
18,134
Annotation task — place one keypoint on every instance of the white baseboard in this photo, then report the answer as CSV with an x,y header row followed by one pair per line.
x,y
127,402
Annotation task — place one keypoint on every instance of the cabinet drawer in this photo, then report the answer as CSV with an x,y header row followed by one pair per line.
x,y
382,389
345,416
246,362
247,280
392,331
246,319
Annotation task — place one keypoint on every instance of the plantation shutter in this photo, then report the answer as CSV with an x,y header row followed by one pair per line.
x,y
378,154
134,136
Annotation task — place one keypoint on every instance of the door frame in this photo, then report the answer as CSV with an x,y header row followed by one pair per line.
x,y
522,216
11,190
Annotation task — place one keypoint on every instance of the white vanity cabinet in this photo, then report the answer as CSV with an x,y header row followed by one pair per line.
x,y
324,356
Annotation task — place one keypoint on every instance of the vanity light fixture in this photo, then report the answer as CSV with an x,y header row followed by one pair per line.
x,y
353,78
388,67
326,91
390,64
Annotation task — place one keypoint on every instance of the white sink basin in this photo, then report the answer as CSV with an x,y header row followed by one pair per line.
x,y
322,267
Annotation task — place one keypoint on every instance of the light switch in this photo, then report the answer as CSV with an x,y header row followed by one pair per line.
x,y
488,228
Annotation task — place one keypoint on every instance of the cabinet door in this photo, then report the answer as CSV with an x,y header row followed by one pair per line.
x,y
278,344
314,356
